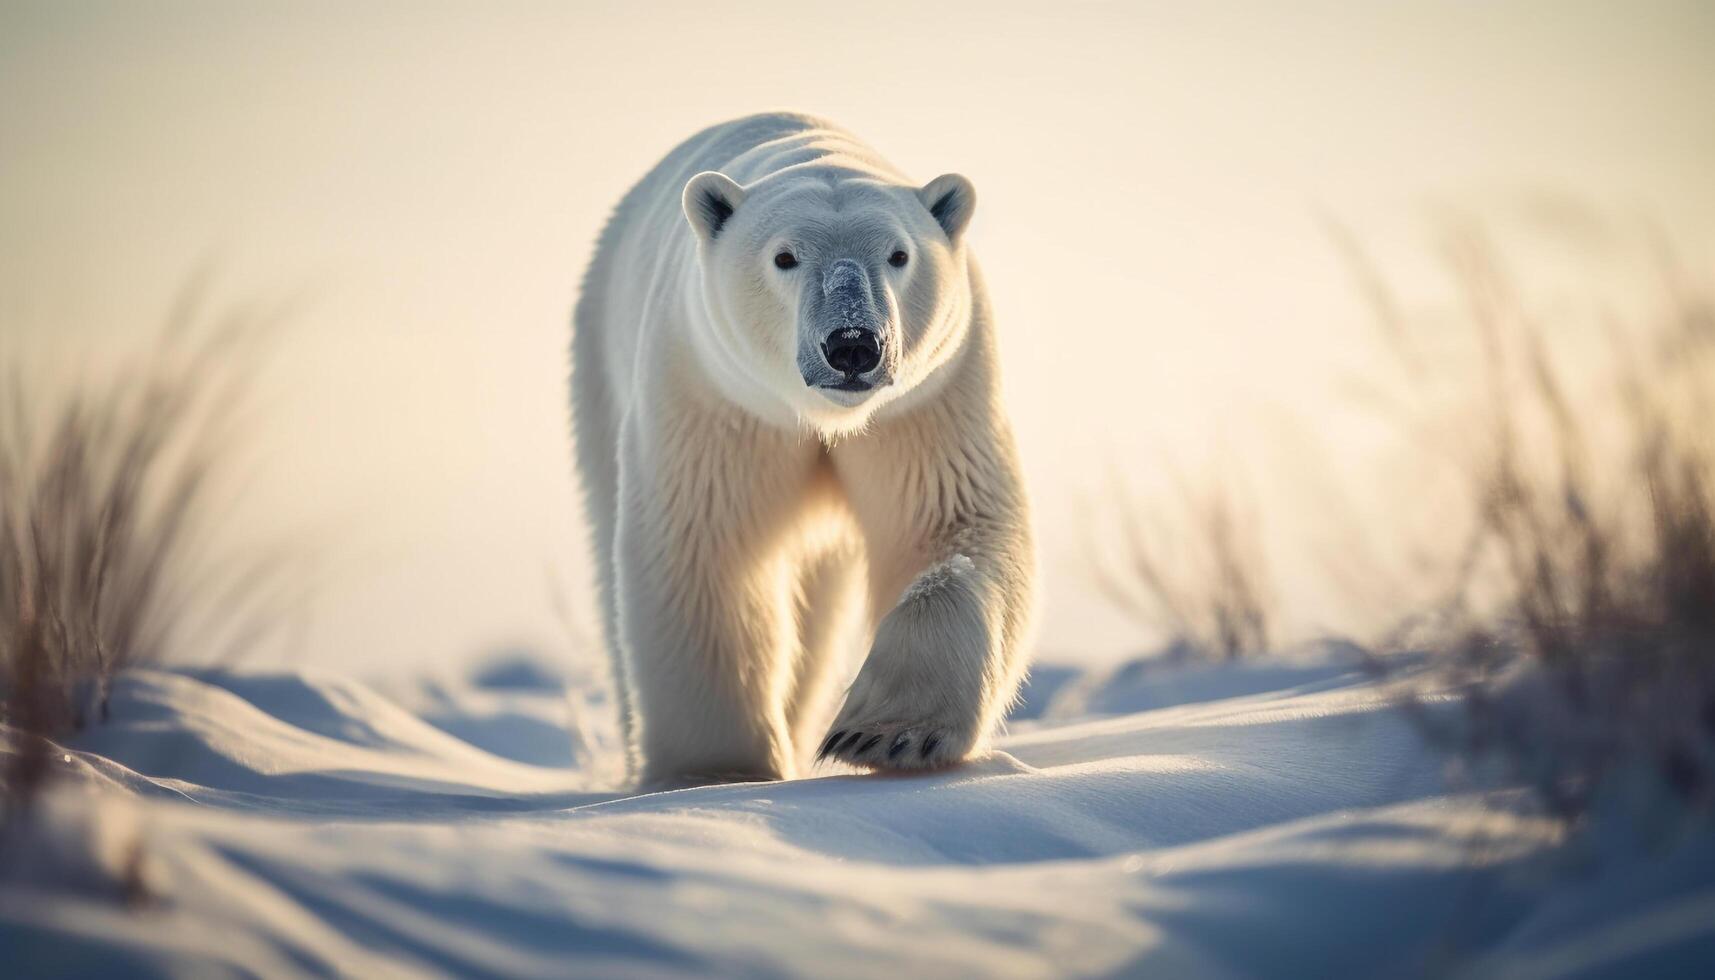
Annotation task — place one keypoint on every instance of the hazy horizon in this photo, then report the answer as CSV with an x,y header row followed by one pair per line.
x,y
1154,190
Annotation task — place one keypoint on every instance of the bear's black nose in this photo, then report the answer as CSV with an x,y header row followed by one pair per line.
x,y
852,350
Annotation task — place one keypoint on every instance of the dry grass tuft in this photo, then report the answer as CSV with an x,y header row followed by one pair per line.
x,y
1577,615
1580,621
106,495
1202,582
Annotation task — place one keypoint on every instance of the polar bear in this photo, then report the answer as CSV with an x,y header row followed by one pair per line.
x,y
790,437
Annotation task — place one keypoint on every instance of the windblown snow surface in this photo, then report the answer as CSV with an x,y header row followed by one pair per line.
x,y
1275,819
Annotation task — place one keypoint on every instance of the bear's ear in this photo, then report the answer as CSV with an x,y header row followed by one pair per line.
x,y
951,200
710,199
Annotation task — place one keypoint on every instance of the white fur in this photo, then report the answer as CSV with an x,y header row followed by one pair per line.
x,y
742,517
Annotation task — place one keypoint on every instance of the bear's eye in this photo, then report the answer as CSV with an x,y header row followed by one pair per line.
x,y
785,260
898,259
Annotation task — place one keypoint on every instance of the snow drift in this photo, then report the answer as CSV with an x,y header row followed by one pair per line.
x,y
1168,820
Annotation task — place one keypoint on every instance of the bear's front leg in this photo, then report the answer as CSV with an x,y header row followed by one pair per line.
x,y
706,620
941,501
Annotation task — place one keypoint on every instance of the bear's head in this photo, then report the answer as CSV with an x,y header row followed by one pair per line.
x,y
829,293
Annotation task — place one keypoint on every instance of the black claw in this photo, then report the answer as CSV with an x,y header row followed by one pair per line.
x,y
929,745
899,745
828,746
850,741
868,743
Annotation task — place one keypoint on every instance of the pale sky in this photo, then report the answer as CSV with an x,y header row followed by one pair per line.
x,y
429,178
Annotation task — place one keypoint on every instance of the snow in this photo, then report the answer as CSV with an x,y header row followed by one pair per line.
x,y
1169,818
